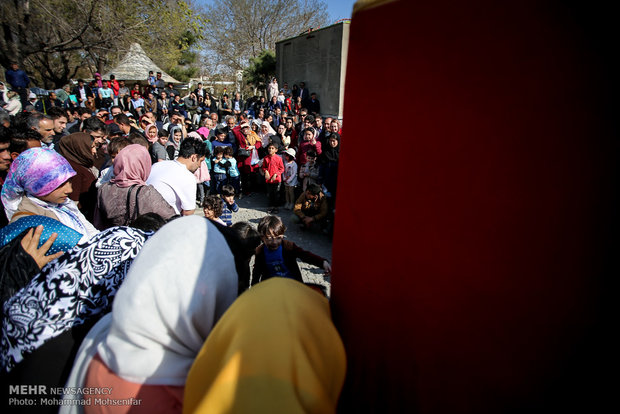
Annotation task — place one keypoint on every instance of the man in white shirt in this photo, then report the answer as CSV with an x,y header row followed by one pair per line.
x,y
175,180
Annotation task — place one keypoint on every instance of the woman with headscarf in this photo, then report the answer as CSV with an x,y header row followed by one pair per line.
x,y
275,350
265,133
13,105
146,346
248,166
78,150
328,163
38,182
151,133
45,321
127,196
174,141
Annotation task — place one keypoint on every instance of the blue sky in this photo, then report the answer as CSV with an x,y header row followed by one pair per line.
x,y
338,9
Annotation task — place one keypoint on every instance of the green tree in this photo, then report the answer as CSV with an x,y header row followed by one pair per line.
x,y
262,68
55,39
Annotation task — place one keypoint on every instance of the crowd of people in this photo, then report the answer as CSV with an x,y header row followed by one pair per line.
x,y
87,182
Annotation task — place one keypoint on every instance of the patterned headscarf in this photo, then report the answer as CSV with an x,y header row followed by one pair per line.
x,y
132,165
35,172
74,289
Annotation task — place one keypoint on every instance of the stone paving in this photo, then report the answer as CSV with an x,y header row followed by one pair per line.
x,y
252,208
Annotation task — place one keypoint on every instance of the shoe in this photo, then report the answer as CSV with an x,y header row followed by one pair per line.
x,y
275,211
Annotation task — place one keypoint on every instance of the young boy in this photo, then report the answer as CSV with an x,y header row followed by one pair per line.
x,y
277,257
290,178
232,172
229,205
219,170
272,168
309,172
212,208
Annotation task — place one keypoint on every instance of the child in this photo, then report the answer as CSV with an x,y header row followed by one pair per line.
x,y
229,207
212,208
115,145
219,170
309,143
309,172
277,257
272,168
290,178
232,172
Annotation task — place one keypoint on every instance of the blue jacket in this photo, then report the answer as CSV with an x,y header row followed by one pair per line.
x,y
17,78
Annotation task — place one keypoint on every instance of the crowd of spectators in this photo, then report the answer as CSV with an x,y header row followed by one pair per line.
x,y
88,176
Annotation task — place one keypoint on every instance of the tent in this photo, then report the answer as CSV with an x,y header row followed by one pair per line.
x,y
136,65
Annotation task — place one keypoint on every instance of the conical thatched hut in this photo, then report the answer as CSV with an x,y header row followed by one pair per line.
x,y
135,66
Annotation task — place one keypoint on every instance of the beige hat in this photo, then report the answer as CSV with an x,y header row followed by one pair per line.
x,y
244,125
291,152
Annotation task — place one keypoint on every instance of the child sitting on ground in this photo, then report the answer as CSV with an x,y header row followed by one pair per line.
x,y
232,172
272,168
218,178
290,178
309,172
212,208
229,205
277,257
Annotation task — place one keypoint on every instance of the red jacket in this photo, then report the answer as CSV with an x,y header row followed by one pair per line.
x,y
273,165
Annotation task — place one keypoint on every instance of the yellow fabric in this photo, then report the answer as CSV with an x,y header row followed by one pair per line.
x,y
275,350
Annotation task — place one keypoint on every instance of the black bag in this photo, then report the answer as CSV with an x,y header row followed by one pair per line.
x,y
242,152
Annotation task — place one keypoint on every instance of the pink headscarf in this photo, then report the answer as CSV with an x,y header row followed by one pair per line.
x,y
203,132
146,133
132,166
99,82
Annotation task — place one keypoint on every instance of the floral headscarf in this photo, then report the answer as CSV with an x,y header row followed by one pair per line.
x,y
35,172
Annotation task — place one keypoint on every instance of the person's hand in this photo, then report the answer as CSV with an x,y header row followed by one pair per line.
x,y
267,176
327,267
30,243
308,220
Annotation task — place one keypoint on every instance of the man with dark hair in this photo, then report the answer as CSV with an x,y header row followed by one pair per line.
x,y
82,92
175,179
83,115
313,104
59,116
21,140
159,83
124,124
311,208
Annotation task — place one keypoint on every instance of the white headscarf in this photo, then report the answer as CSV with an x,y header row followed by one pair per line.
x,y
170,300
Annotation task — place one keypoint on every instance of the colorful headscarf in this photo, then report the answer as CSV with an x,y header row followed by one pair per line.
x,y
35,172
274,350
99,82
132,165
146,133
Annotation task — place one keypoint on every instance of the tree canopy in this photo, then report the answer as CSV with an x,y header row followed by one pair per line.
x,y
55,40
242,29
